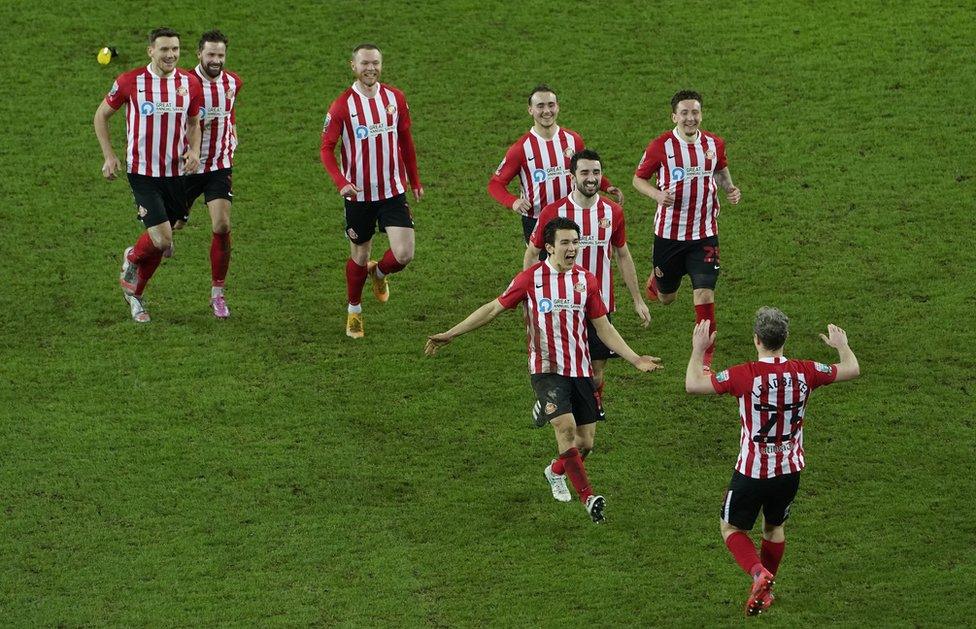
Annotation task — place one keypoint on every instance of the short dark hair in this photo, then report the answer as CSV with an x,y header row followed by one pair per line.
x,y
584,154
162,31
560,222
684,95
214,36
365,46
771,327
542,87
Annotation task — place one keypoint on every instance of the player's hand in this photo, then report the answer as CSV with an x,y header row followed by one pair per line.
x,y
701,339
666,198
435,342
617,193
110,167
642,313
191,161
648,363
418,193
734,195
349,190
836,337
522,206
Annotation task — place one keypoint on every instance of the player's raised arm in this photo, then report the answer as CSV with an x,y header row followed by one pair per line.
x,y
612,339
482,316
697,380
848,367
111,165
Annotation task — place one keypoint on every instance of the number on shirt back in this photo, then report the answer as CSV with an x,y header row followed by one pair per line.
x,y
789,414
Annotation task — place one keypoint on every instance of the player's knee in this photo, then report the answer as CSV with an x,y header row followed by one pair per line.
x,y
726,529
221,225
403,256
162,241
667,298
585,448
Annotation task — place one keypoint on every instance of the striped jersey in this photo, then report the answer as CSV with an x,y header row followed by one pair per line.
x,y
378,154
542,167
157,109
773,394
601,229
557,306
218,121
687,169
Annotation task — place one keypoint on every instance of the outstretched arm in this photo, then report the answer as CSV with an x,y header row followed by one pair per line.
x,y
847,368
696,380
612,339
482,316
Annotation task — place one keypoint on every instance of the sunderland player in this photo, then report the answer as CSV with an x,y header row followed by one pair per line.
x,y
603,237
162,143
689,165
379,161
773,393
540,159
559,296
212,178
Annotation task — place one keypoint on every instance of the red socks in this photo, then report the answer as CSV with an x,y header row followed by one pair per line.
x,y
219,257
389,264
573,466
355,280
706,312
771,554
147,258
744,552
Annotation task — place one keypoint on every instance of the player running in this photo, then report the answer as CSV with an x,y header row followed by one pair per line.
x,y
773,393
603,237
690,165
540,158
559,296
372,120
162,105
213,177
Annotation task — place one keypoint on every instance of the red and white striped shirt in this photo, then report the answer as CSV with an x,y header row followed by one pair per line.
x,y
557,306
378,154
542,167
601,229
773,394
157,109
687,169
218,122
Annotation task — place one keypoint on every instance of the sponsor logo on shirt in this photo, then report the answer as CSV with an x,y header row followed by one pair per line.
x,y
542,174
677,174
149,108
822,367
373,130
538,175
783,447
722,376
547,306
591,241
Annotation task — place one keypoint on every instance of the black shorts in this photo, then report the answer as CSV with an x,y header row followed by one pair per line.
x,y
746,496
598,351
362,216
159,199
216,184
675,258
558,395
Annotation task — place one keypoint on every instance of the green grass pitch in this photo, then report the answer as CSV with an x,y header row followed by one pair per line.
x,y
269,471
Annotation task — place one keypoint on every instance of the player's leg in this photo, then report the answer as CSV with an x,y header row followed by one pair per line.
x,y
360,227
664,280
740,508
776,509
140,261
703,267
588,410
218,195
396,221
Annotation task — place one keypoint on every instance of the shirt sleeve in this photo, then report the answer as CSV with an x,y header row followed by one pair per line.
x,y
734,380
650,162
516,292
723,161
407,149
619,236
196,97
819,374
594,302
331,129
119,92
506,171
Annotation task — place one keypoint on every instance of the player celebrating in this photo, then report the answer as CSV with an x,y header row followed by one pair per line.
x,y
541,160
378,159
163,141
773,393
602,232
690,165
559,297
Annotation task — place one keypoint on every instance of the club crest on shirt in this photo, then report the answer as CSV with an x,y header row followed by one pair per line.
x,y
722,376
181,91
569,153
709,154
231,92
391,109
550,408
325,124
658,272
580,287
604,223
822,368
